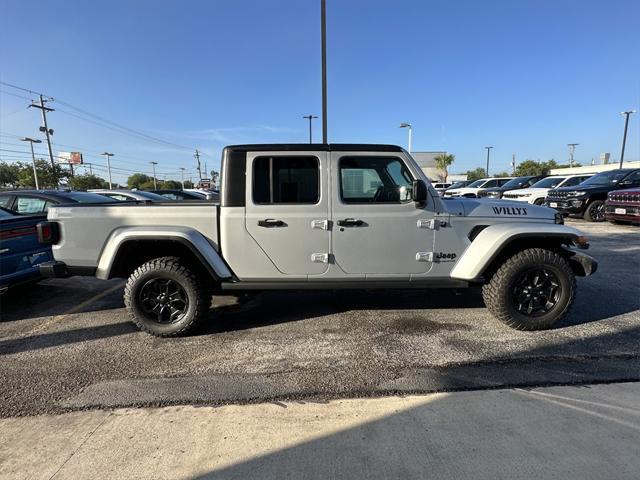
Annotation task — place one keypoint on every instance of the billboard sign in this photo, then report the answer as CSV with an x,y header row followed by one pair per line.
x,y
74,158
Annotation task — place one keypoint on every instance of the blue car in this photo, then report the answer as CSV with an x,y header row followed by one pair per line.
x,y
20,251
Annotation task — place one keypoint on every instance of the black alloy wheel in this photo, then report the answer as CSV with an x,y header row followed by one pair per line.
x,y
536,292
163,300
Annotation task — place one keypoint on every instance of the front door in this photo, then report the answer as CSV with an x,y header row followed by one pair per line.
x,y
287,210
377,229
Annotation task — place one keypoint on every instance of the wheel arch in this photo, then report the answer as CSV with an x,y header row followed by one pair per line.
x,y
128,248
496,243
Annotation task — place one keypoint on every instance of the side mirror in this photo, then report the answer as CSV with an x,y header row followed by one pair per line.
x,y
419,194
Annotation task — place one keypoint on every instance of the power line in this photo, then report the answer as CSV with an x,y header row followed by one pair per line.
x,y
25,89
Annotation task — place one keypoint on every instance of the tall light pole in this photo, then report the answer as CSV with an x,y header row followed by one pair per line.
x,y
323,29
310,118
109,155
182,169
33,158
624,136
572,150
407,125
155,183
488,153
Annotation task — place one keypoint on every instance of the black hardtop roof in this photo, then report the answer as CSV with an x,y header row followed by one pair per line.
x,y
308,147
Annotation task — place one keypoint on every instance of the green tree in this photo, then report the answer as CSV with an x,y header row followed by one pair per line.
x,y
188,184
137,179
49,176
9,174
170,185
86,182
502,174
148,185
443,162
476,174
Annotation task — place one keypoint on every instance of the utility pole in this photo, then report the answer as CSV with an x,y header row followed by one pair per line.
x,y
513,163
182,169
155,183
488,150
310,118
624,136
47,131
33,158
197,157
206,174
572,150
323,28
109,155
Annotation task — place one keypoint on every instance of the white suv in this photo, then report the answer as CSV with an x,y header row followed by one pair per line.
x,y
537,192
472,190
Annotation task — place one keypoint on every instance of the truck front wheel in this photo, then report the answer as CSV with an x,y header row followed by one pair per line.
x,y
532,290
164,298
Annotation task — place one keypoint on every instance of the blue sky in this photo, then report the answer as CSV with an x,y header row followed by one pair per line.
x,y
527,77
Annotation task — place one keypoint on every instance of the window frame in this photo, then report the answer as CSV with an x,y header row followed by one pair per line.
x,y
377,157
271,203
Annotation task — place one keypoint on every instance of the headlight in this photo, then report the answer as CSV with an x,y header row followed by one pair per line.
x,y
524,194
491,194
576,194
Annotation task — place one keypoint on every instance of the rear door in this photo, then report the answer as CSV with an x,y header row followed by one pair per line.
x,y
377,229
287,209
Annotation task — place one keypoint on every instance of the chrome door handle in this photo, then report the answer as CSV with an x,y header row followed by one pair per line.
x,y
350,222
271,223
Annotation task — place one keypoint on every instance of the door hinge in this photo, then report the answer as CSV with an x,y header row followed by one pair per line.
x,y
424,256
320,224
432,224
320,257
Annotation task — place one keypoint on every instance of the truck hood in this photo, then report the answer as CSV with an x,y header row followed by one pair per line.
x,y
462,191
471,207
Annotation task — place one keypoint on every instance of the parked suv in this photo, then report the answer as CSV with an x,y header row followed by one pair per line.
x,y
587,199
474,188
538,191
623,206
38,201
513,184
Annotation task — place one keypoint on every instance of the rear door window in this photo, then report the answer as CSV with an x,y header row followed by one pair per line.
x,y
286,180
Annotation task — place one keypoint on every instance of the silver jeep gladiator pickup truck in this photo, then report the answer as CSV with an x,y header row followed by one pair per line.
x,y
320,216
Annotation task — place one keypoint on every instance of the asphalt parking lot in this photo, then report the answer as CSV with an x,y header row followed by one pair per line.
x,y
66,344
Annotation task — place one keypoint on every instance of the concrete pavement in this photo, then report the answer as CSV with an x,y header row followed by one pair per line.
x,y
588,432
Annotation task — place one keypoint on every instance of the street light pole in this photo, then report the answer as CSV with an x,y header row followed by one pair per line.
x,y
310,118
407,125
109,155
33,158
155,183
624,136
488,151
182,169
572,150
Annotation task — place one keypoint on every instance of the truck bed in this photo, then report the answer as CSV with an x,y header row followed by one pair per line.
x,y
85,229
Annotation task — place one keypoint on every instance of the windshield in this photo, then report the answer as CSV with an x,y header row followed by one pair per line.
x,y
606,178
516,182
549,182
458,185
477,183
151,196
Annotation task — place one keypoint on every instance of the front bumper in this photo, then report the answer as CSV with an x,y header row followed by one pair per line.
x,y
631,212
573,206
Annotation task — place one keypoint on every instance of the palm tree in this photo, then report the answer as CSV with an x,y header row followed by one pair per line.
x,y
443,161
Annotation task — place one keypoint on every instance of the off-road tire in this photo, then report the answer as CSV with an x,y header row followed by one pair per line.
x,y
591,209
539,201
196,290
498,297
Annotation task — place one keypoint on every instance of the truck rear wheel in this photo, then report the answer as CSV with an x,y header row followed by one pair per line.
x,y
532,290
165,298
